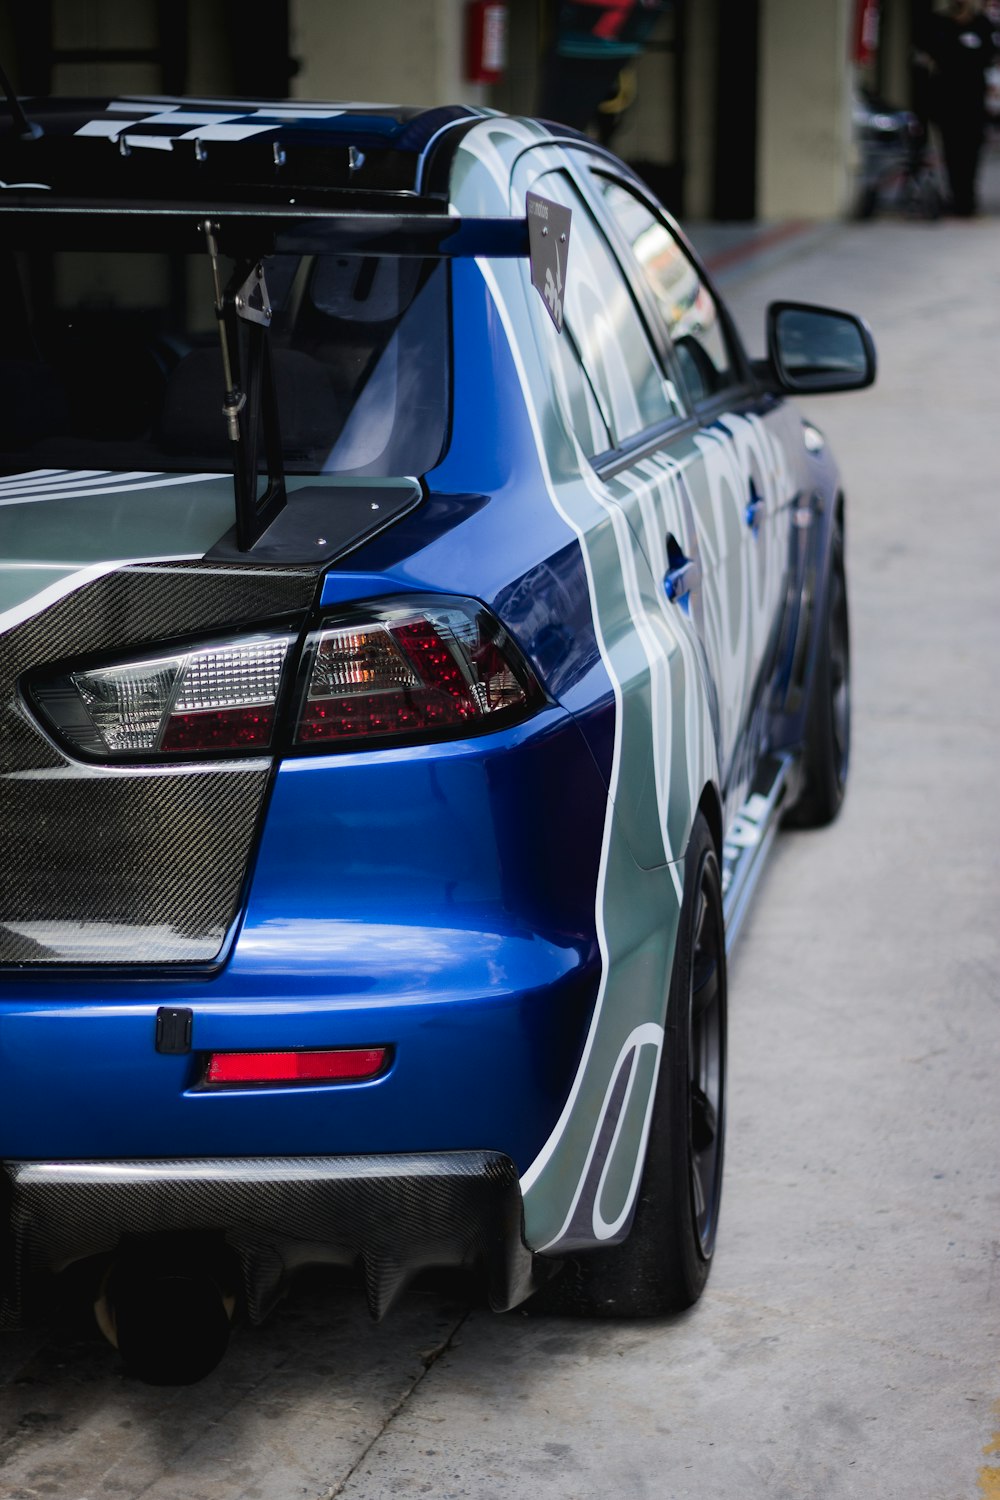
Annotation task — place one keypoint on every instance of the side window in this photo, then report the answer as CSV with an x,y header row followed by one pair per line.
x,y
688,307
588,420
606,327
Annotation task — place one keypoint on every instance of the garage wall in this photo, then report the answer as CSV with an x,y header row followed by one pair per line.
x,y
413,53
382,51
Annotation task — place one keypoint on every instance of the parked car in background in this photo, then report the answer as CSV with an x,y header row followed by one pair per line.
x,y
417,615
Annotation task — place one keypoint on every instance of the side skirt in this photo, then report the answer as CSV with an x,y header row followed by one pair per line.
x,y
749,839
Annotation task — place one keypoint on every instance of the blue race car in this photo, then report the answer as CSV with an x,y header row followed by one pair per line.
x,y
416,615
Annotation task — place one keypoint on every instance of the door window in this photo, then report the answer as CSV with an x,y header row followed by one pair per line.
x,y
606,327
688,308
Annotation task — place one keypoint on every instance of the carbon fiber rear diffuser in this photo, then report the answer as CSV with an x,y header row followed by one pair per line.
x,y
393,1215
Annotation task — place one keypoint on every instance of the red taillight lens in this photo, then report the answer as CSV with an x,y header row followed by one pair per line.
x,y
341,1065
413,668
219,729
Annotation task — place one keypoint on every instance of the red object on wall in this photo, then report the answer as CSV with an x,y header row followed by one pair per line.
x,y
485,41
866,25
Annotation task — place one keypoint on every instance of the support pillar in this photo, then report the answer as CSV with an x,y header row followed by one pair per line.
x,y
804,142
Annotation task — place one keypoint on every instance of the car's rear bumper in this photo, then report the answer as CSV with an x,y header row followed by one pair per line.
x,y
437,901
392,1215
474,1065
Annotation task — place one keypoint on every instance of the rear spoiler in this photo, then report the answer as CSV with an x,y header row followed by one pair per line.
x,y
265,229
253,231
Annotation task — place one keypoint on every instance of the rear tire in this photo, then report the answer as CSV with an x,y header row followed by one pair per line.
x,y
663,1265
827,751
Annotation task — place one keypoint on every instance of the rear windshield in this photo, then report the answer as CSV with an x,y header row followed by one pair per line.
x,y
111,360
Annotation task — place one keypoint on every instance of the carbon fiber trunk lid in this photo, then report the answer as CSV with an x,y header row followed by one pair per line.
x,y
128,865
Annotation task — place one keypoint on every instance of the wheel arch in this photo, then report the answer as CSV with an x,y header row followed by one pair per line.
x,y
835,524
710,806
839,512
825,745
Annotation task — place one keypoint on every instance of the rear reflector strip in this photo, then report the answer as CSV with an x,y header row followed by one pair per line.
x,y
342,1065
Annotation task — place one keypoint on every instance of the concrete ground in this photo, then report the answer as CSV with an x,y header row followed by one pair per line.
x,y
847,1342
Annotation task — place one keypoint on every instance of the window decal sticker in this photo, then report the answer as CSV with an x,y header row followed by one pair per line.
x,y
548,249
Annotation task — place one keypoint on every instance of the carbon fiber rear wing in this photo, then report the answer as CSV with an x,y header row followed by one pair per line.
x,y
260,229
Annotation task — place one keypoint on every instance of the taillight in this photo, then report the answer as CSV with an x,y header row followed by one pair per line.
x,y
216,698
418,667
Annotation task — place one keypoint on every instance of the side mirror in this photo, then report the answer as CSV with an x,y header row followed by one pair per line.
x,y
815,349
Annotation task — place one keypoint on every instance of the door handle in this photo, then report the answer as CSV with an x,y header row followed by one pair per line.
x,y
754,512
677,581
682,574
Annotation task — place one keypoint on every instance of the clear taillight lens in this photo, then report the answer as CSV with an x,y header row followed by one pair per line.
x,y
415,668
216,698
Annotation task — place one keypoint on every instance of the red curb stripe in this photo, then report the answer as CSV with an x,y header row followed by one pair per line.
x,y
757,243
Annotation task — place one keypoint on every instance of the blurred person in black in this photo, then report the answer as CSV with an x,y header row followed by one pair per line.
x,y
956,48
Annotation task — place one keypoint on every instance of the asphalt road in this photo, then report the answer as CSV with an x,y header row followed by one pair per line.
x,y
847,1343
